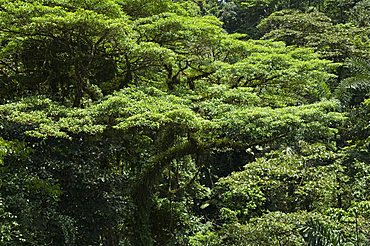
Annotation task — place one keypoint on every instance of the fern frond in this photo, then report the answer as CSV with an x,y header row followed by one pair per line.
x,y
358,65
316,233
356,85
359,82
324,90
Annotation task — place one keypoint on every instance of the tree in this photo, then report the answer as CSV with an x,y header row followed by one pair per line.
x,y
59,47
314,29
280,75
146,123
358,14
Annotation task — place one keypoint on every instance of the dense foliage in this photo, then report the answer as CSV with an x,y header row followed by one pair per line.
x,y
159,122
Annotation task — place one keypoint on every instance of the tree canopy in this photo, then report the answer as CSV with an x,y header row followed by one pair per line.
x,y
131,122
